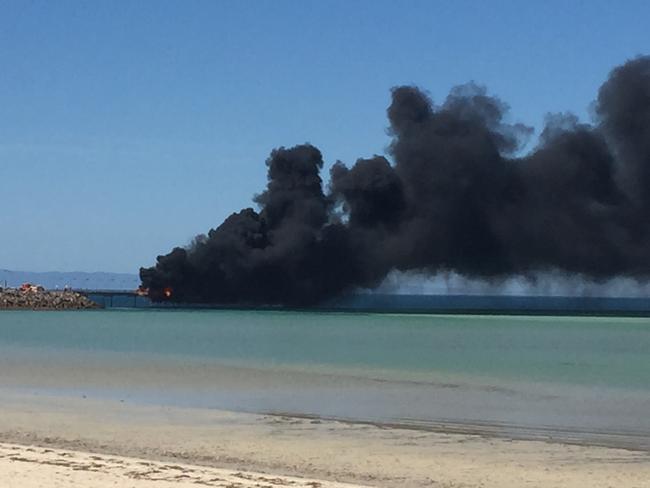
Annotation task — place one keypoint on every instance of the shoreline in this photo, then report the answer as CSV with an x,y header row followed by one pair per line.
x,y
346,396
494,430
310,448
630,440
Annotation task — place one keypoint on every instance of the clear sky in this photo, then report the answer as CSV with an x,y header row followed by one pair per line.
x,y
128,127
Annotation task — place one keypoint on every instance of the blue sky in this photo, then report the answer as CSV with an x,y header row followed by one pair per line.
x,y
128,127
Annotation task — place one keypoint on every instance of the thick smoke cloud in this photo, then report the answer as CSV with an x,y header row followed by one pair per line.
x,y
457,198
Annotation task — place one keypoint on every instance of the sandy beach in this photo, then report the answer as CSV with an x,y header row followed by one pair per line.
x,y
91,442
27,467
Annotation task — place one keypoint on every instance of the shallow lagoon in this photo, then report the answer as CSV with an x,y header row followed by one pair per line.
x,y
580,376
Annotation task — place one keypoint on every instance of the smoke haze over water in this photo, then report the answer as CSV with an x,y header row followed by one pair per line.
x,y
544,284
457,199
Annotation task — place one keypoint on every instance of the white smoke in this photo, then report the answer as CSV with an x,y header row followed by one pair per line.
x,y
549,283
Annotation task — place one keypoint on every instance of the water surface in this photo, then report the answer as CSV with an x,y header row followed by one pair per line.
x,y
578,375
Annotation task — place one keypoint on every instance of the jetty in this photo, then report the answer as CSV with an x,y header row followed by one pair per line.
x,y
427,304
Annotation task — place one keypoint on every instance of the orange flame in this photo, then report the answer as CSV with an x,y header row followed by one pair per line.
x,y
167,292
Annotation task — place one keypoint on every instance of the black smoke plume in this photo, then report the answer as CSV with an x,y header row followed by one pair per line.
x,y
456,198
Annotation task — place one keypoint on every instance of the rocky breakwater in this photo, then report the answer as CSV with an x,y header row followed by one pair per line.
x,y
44,300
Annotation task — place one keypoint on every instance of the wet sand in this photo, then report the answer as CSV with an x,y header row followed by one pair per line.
x,y
524,411
274,446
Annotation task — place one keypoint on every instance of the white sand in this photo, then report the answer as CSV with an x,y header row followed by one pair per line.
x,y
35,467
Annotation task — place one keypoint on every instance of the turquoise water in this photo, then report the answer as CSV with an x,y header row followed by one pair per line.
x,y
568,373
573,350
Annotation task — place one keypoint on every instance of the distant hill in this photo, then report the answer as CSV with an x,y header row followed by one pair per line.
x,y
77,280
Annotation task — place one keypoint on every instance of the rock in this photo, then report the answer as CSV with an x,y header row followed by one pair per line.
x,y
44,300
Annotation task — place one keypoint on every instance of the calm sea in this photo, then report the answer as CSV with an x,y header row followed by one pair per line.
x,y
580,377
